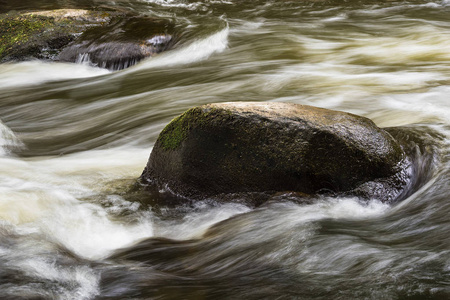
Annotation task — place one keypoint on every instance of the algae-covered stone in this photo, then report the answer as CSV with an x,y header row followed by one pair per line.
x,y
43,34
258,147
106,38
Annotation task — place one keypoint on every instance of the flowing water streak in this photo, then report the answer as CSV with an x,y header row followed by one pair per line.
x,y
35,72
74,138
194,52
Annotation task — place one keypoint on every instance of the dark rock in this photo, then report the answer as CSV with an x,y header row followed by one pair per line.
x,y
259,147
120,44
109,39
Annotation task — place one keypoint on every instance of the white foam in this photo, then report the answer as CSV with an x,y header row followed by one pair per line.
x,y
86,279
8,140
89,231
53,209
48,196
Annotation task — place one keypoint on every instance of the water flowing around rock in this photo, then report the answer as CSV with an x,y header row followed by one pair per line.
x,y
111,39
245,147
74,138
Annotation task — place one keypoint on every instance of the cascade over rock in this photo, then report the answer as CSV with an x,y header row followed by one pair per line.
x,y
242,147
121,43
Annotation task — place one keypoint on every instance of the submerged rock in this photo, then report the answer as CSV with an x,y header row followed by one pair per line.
x,y
271,147
109,39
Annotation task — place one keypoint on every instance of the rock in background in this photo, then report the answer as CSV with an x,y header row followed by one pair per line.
x,y
110,39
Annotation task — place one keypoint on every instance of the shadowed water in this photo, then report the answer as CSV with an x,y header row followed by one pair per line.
x,y
74,138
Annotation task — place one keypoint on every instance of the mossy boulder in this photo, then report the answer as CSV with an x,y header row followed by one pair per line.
x,y
244,147
43,34
109,39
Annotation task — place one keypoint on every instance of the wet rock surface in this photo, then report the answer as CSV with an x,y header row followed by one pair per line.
x,y
110,39
245,147
120,44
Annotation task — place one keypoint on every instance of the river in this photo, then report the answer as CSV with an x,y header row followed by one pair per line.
x,y
74,138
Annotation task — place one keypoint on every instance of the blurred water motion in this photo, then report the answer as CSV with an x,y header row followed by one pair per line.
x,y
73,139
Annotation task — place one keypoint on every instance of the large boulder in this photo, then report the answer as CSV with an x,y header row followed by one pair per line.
x,y
246,147
108,38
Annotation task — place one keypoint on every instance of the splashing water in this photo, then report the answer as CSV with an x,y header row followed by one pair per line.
x,y
74,138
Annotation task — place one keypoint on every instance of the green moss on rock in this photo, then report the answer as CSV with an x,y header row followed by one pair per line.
x,y
17,30
177,130
113,39
25,35
251,147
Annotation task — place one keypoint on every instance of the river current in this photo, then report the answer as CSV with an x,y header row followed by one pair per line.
x,y
74,138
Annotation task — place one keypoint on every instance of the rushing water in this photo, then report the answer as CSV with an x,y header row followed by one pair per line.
x,y
74,138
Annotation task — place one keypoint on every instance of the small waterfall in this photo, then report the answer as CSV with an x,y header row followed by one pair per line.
x,y
84,59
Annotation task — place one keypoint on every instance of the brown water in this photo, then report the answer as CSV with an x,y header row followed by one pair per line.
x,y
74,137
